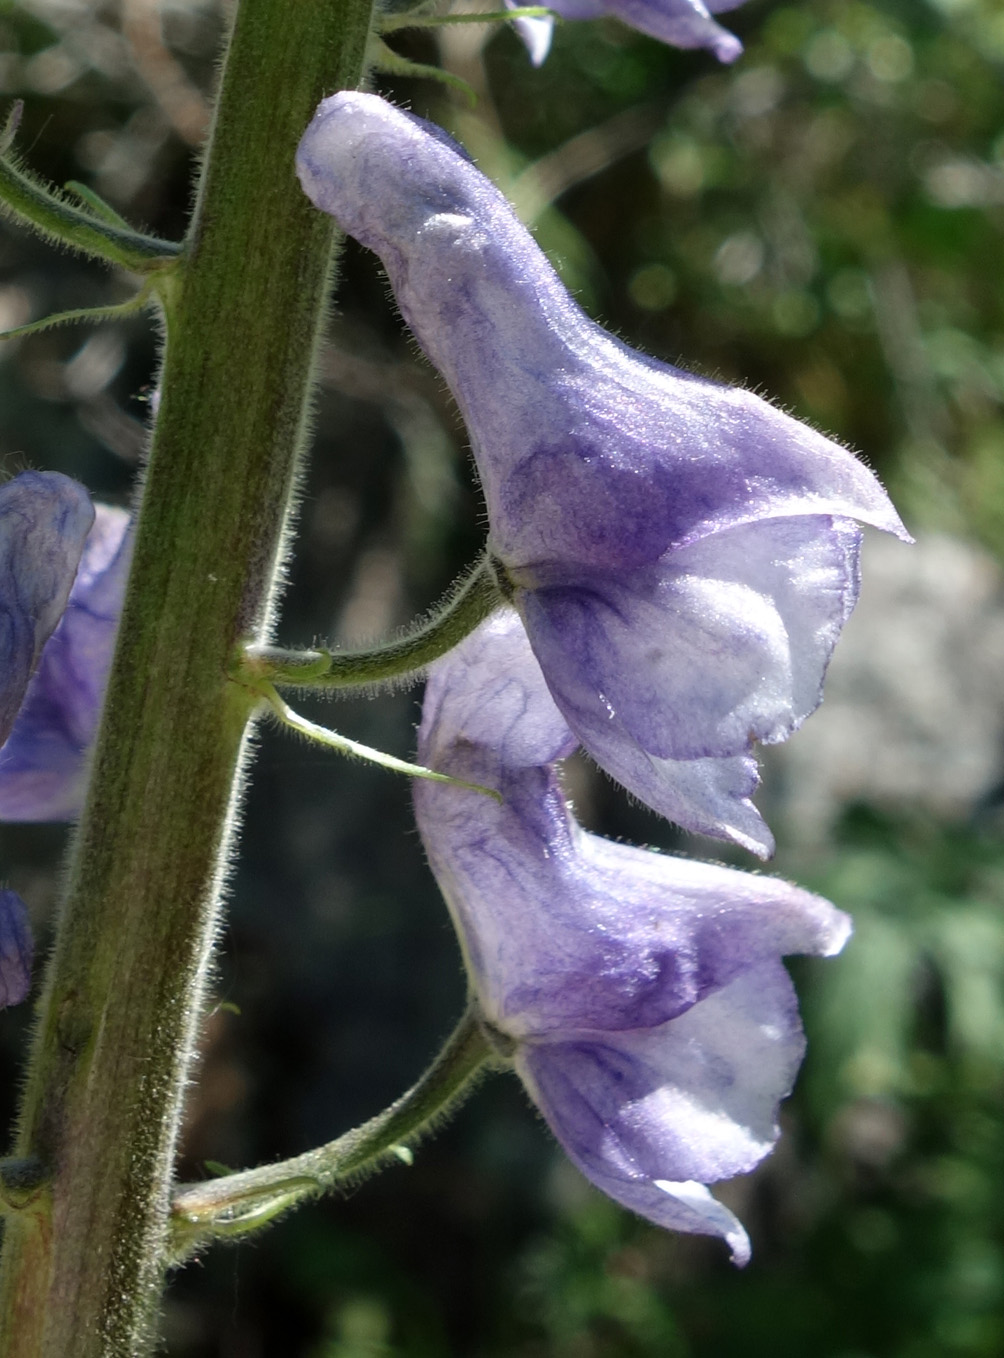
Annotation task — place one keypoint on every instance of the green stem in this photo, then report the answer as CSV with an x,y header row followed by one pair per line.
x,y
472,600
241,1203
384,58
116,312
31,203
354,749
96,203
119,1018
391,23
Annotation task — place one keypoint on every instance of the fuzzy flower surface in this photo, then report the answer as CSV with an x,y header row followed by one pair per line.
x,y
43,764
683,554
680,23
641,998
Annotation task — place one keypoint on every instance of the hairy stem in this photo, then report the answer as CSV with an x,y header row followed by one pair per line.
x,y
396,661
242,1203
43,209
355,750
82,1273
391,23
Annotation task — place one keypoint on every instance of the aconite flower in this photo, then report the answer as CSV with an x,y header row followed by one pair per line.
x,y
16,949
640,998
680,23
683,554
44,521
43,765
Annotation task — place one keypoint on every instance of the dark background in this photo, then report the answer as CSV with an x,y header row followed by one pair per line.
x,y
823,221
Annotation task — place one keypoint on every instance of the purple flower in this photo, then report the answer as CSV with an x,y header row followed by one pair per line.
x,y
640,998
681,23
43,764
15,950
682,553
44,519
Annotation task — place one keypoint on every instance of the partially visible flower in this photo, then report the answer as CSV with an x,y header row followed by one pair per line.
x,y
43,763
640,998
681,23
44,520
682,553
15,950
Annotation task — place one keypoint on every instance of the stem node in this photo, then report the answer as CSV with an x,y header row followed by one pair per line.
x,y
23,1184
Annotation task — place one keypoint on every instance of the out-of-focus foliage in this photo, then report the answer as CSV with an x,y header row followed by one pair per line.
x,y
824,220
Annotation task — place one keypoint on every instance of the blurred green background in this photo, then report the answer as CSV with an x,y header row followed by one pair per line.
x,y
823,221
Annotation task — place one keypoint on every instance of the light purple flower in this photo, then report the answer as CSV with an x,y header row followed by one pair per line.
x,y
44,520
15,950
681,23
682,553
640,998
43,765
